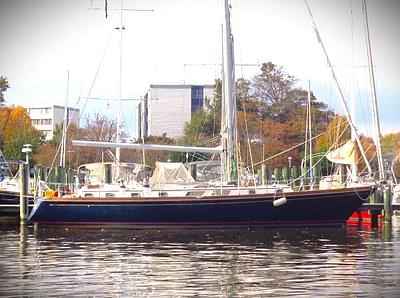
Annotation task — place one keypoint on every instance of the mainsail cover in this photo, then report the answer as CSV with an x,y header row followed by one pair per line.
x,y
347,154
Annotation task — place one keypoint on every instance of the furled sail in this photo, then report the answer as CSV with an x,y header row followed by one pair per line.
x,y
347,154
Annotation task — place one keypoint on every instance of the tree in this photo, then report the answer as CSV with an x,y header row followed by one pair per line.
x,y
337,133
97,128
14,146
16,129
272,84
4,85
391,143
271,117
205,125
48,154
276,97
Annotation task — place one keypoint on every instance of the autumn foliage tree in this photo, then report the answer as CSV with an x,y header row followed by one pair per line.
x,y
96,128
271,117
16,129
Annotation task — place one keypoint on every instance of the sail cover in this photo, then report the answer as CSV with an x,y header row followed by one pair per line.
x,y
170,172
347,154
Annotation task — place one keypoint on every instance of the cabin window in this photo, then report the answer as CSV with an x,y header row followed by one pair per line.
x,y
135,194
88,194
110,194
163,194
252,191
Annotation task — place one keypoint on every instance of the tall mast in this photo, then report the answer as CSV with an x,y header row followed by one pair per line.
x,y
63,150
354,167
118,150
229,100
310,136
374,104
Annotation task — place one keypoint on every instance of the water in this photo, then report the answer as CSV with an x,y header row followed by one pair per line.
x,y
334,262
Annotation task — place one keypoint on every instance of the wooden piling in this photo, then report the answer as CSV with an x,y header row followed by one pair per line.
x,y
285,174
387,204
277,174
24,181
263,174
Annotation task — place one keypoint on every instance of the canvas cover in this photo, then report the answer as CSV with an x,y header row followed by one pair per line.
x,y
347,154
129,172
170,173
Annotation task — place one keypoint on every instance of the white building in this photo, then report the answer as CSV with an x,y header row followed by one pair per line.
x,y
45,118
167,108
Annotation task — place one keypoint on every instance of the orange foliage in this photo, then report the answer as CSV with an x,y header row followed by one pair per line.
x,y
13,119
45,155
267,137
337,132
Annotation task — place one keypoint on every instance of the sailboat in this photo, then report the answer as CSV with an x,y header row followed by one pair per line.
x,y
10,187
227,204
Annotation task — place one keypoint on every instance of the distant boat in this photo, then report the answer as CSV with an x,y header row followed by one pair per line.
x,y
224,204
10,188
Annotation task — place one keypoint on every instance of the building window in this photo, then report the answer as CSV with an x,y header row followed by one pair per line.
x,y
197,98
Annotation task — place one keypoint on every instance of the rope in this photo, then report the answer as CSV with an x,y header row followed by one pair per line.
x,y
326,153
287,150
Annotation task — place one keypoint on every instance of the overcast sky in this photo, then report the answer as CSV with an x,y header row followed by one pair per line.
x,y
180,42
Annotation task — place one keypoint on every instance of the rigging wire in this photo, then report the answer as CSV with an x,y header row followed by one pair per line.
x,y
96,74
86,100
339,90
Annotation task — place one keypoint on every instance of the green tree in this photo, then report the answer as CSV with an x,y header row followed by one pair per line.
x,y
205,125
4,85
270,89
13,147
276,97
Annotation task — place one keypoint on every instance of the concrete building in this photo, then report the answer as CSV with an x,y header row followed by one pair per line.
x,y
166,109
45,118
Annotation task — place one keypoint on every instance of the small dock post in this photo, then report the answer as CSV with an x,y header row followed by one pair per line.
x,y
387,204
373,199
263,174
23,180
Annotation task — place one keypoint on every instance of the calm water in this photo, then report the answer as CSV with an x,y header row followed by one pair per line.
x,y
334,262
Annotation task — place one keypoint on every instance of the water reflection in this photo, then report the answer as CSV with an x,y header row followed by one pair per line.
x,y
253,262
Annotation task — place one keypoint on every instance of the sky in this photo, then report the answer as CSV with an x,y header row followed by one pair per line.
x,y
47,45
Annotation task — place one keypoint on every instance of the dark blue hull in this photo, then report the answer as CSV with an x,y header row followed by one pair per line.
x,y
308,208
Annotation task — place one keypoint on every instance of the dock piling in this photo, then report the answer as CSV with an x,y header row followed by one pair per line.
x,y
387,204
24,180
